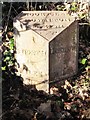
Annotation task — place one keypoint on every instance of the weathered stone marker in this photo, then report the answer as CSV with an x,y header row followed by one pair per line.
x,y
46,46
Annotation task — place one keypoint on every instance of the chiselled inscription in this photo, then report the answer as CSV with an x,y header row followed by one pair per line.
x,y
29,52
53,51
62,49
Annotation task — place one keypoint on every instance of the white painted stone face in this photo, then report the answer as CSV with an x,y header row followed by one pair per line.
x,y
33,54
46,46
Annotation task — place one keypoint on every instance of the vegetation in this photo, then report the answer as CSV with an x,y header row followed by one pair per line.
x,y
69,100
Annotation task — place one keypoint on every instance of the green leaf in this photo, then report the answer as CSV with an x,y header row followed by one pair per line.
x,y
6,53
7,59
11,47
10,63
3,68
11,44
83,61
12,40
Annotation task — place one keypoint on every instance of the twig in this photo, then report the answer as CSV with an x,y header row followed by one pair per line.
x,y
36,5
15,10
27,4
8,17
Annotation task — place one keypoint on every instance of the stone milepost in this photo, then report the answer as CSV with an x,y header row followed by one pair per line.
x,y
46,46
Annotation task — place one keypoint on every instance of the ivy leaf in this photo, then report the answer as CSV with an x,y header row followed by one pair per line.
x,y
7,59
10,63
83,61
6,53
3,68
11,43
